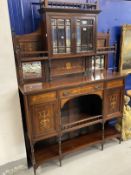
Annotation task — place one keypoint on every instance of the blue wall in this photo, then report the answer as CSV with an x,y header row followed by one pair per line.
x,y
114,14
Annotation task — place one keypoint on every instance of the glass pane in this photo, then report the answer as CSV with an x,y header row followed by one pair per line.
x,y
61,39
78,35
100,62
61,35
78,49
61,50
68,50
55,50
93,63
32,70
84,35
54,36
90,36
68,36
53,21
61,22
68,22
84,22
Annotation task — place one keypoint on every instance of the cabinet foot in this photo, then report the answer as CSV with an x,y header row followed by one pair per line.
x,y
120,140
60,163
34,170
102,147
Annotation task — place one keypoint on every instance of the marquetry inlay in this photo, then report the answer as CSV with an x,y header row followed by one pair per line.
x,y
113,101
44,120
68,65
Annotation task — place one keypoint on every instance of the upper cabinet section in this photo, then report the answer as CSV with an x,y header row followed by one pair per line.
x,y
70,28
71,34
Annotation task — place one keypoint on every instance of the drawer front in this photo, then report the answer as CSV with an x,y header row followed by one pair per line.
x,y
42,98
115,83
63,67
81,90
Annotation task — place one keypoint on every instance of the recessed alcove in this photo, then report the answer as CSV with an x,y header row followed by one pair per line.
x,y
79,113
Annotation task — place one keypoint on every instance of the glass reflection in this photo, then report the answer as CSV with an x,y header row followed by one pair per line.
x,y
84,35
100,62
32,70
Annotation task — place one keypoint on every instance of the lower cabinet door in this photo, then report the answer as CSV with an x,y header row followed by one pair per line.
x,y
44,120
113,103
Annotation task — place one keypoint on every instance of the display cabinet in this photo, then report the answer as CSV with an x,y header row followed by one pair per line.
x,y
69,98
71,35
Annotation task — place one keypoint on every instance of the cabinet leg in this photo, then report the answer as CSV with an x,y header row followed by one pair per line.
x,y
102,146
34,170
103,136
33,159
60,152
120,139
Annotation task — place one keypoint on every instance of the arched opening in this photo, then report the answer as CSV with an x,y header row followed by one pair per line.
x,y
81,111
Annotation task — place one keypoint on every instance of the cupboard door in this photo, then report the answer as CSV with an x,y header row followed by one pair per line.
x,y
113,103
44,120
85,34
60,35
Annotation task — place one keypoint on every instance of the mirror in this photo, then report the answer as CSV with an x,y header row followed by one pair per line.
x,y
31,70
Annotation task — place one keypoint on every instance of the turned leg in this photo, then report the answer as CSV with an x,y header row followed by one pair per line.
x,y
60,151
33,159
103,137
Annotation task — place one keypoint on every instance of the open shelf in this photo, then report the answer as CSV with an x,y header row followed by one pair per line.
x,y
31,59
111,132
43,154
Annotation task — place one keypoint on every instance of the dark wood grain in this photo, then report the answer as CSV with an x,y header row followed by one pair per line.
x,y
72,102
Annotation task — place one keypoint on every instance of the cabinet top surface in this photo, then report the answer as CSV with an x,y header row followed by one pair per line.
x,y
34,88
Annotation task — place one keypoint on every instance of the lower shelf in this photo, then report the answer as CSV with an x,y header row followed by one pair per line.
x,y
52,151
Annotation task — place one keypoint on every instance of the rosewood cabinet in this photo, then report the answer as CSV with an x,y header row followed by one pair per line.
x,y
65,116
69,98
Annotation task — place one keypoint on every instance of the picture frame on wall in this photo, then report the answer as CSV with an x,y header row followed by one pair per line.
x,y
125,54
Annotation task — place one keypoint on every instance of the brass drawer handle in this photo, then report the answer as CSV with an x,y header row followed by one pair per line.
x,y
66,93
98,87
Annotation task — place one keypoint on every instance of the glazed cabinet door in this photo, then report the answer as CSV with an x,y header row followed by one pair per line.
x,y
71,34
85,34
60,38
44,120
113,103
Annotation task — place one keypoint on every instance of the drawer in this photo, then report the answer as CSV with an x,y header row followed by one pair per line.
x,y
115,83
81,90
42,98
